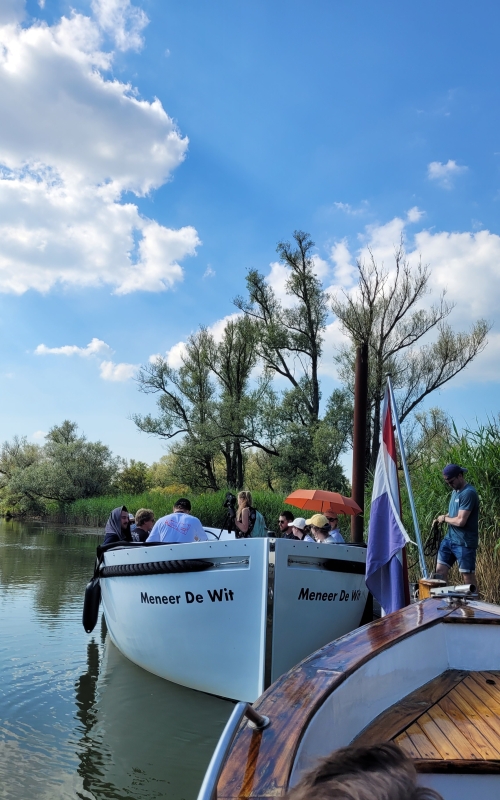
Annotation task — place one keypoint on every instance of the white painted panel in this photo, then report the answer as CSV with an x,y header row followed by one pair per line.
x,y
312,606
474,646
463,787
169,625
374,687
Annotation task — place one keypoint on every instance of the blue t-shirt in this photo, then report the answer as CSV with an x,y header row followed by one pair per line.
x,y
466,499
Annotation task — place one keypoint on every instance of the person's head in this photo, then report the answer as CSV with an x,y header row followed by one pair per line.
x,y
320,527
285,519
244,500
125,519
333,519
380,771
453,475
182,506
145,519
298,526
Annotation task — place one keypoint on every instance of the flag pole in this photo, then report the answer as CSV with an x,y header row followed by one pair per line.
x,y
423,565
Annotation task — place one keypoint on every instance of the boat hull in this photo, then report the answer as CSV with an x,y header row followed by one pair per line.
x,y
231,629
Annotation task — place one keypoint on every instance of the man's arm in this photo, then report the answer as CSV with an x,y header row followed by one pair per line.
x,y
459,521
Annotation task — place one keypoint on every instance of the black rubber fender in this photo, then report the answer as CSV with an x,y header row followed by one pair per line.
x,y
91,604
155,568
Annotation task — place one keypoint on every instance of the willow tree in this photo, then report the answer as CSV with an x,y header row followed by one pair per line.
x,y
185,409
412,343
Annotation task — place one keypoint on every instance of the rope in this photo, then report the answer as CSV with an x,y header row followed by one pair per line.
x,y
431,544
155,568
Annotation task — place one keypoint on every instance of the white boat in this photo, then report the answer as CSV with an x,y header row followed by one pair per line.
x,y
426,677
229,616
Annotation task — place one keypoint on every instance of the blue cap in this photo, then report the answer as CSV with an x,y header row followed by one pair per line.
x,y
453,470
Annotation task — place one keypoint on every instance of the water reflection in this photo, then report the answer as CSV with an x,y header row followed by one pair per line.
x,y
78,720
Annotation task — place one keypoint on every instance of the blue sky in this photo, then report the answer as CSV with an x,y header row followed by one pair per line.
x,y
151,153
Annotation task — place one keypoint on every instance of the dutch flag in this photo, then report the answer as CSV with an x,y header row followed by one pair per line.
x,y
385,571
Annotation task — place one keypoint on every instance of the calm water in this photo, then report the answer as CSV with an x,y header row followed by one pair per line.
x,y
77,719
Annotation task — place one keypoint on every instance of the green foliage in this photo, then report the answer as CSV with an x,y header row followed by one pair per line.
x,y
67,467
134,478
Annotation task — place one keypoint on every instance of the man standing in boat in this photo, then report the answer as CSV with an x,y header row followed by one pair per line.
x,y
460,543
180,526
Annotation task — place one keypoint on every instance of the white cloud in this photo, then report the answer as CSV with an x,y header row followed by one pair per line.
x,y
175,355
121,20
218,328
415,214
72,142
209,272
38,435
95,347
444,173
117,372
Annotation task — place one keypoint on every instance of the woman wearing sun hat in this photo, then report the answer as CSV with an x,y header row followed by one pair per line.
x,y
320,529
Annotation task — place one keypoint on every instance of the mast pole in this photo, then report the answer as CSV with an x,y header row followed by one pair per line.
x,y
423,565
359,439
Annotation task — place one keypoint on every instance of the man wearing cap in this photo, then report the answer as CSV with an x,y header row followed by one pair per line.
x,y
460,543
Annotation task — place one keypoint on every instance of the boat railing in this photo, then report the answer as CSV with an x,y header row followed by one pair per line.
x,y
208,789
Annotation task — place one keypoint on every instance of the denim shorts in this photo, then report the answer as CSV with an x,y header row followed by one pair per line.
x,y
449,552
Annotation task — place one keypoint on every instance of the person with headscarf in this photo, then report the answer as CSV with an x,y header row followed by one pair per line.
x,y
118,526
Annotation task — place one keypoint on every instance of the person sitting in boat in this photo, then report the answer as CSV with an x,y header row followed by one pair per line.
x,y
299,530
333,520
380,771
285,522
179,526
320,529
118,526
144,521
248,521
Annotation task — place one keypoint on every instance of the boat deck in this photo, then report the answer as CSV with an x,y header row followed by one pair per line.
x,y
452,724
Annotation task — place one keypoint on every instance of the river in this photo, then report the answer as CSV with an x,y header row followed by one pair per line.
x,y
77,719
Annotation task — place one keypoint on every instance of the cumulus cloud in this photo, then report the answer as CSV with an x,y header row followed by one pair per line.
x,y
443,174
94,348
110,371
72,142
38,435
347,208
209,272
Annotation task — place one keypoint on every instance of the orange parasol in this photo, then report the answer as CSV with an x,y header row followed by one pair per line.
x,y
320,500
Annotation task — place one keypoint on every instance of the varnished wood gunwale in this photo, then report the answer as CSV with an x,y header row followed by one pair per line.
x,y
260,762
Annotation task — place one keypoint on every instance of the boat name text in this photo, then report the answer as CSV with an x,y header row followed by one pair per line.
x,y
214,595
306,594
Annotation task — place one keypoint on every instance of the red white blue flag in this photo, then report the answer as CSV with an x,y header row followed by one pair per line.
x,y
385,572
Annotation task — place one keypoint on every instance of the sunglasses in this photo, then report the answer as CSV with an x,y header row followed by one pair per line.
x,y
332,519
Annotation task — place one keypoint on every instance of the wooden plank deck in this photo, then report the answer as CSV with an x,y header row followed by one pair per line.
x,y
450,724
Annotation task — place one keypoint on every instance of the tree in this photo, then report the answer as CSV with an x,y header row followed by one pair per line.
x,y
134,478
15,456
290,342
69,468
186,408
386,313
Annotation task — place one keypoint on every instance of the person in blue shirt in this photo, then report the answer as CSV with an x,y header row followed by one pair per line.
x,y
460,543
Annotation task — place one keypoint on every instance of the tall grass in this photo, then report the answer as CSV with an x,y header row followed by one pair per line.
x,y
209,508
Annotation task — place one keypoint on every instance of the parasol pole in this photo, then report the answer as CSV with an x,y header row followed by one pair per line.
x,y
423,565
359,440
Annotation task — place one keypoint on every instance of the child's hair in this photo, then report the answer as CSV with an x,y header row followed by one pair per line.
x,y
244,499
